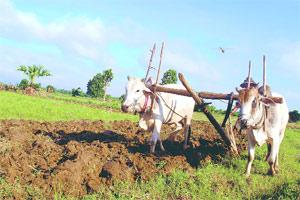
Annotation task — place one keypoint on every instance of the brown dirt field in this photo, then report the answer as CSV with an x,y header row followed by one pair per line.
x,y
78,157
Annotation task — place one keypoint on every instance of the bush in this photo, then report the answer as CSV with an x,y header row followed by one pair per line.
x,y
23,84
77,92
2,86
63,91
50,89
122,98
294,116
11,88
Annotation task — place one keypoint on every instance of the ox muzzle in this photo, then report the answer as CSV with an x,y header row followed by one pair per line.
x,y
124,108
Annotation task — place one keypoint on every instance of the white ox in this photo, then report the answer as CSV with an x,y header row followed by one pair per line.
x,y
265,121
167,109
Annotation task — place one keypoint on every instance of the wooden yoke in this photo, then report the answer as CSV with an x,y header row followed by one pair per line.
x,y
204,95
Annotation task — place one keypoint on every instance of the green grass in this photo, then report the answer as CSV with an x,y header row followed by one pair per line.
x,y
200,116
110,103
18,106
62,107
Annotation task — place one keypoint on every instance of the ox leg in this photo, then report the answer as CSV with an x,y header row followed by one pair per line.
x,y
251,153
186,136
273,155
276,167
269,151
277,155
156,136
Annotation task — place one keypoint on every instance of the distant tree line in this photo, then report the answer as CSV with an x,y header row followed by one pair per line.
x,y
97,86
294,116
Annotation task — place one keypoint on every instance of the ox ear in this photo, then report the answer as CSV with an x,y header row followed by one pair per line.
x,y
267,101
149,82
238,91
129,78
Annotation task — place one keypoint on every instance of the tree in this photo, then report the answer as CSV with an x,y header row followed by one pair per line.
x,y
294,116
98,85
170,77
77,92
23,84
33,72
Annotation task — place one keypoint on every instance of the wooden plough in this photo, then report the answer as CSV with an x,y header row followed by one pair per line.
x,y
226,135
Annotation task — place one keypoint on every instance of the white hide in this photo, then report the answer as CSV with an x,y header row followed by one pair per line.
x,y
162,114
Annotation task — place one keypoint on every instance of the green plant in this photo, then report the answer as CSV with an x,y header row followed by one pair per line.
x,y
50,89
23,84
2,86
294,116
11,87
77,92
98,85
170,77
122,98
33,72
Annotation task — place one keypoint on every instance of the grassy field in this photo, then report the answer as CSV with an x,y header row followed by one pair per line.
x,y
212,181
62,107
18,106
110,103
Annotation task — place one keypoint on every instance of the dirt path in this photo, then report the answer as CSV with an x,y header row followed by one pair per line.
x,y
79,156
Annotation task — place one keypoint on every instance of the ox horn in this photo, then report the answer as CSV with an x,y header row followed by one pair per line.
x,y
160,60
264,76
150,61
249,75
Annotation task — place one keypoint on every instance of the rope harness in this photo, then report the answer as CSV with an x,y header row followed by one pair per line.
x,y
156,97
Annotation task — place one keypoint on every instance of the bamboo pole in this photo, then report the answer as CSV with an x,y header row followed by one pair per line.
x,y
264,75
249,74
150,61
160,61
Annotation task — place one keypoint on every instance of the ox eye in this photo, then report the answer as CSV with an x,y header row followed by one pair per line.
x,y
138,91
254,103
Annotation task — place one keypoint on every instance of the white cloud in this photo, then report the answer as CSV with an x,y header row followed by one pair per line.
x,y
290,59
81,38
84,38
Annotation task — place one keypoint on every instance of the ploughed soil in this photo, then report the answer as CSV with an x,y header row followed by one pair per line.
x,y
78,157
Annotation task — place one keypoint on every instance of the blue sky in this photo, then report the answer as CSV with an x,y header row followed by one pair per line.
x,y
77,39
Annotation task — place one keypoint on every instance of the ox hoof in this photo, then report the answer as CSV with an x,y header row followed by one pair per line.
x,y
152,149
271,172
247,175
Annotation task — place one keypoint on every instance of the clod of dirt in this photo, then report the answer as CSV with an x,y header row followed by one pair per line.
x,y
78,157
115,170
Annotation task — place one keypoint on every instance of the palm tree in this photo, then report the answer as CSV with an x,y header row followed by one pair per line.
x,y
33,72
